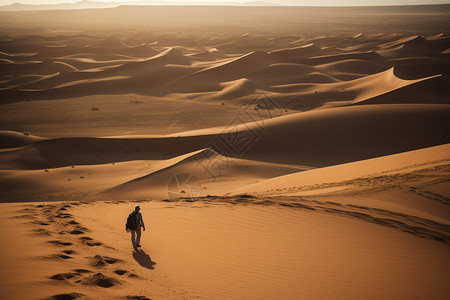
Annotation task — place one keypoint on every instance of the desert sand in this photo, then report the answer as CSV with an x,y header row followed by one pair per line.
x,y
276,153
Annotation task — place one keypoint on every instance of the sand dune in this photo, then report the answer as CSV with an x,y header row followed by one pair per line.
x,y
355,66
413,46
347,130
341,141
11,139
427,167
198,174
54,67
236,89
113,42
139,179
82,260
413,67
161,65
429,90
304,51
70,182
56,165
366,56
276,152
6,61
228,71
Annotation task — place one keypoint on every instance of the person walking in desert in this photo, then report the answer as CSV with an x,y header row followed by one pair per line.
x,y
134,224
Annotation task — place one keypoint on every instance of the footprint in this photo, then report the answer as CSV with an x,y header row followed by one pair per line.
x,y
120,272
63,276
63,216
60,243
92,244
100,280
65,207
89,241
70,296
100,261
63,256
111,260
82,271
41,232
24,217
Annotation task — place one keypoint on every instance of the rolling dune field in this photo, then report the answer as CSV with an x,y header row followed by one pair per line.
x,y
276,152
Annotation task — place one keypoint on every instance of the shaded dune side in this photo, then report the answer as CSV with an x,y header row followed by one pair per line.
x,y
227,71
414,46
417,67
384,85
12,139
373,85
316,138
371,56
153,74
330,136
235,89
429,90
61,152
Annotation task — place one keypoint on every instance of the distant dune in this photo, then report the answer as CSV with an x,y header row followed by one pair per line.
x,y
298,73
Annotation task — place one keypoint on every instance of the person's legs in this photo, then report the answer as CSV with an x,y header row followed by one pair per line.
x,y
133,238
138,238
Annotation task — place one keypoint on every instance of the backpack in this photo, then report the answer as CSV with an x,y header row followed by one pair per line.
x,y
131,221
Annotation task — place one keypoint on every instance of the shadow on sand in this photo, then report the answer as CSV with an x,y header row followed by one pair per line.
x,y
143,258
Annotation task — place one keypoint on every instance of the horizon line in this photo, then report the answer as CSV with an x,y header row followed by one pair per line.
x,y
224,3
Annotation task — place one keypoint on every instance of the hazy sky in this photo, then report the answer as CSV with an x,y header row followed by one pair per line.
x,y
283,2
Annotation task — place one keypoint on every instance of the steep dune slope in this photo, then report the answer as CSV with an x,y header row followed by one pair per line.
x,y
414,182
12,139
338,135
198,174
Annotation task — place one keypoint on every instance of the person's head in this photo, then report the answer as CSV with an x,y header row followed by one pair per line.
x,y
137,208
